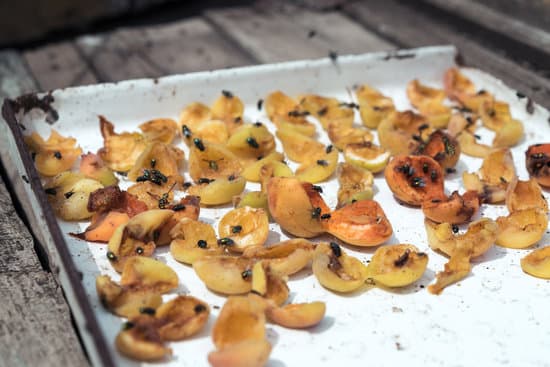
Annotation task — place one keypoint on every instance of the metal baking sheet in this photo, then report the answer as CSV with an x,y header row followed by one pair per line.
x,y
496,316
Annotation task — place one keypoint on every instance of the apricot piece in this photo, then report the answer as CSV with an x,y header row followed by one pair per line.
x,y
537,263
269,284
396,131
295,206
362,223
193,240
414,179
367,155
150,273
224,274
355,184
241,319
341,136
328,110
285,258
211,161
336,270
537,161
182,317
373,106
120,151
397,265
298,147
251,141
219,191
252,171
55,155
319,167
93,167
429,101
469,145
253,353
440,146
140,340
525,195
454,209
157,156
192,115
297,316
245,226
126,301
481,234
522,228
160,130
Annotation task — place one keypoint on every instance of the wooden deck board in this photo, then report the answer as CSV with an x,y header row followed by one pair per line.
x,y
35,323
15,79
283,35
59,65
401,24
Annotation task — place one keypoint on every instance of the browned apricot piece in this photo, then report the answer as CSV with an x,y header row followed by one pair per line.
x,y
159,130
126,301
120,151
157,156
429,101
281,108
457,268
182,317
454,209
414,179
341,136
211,161
327,110
154,189
522,228
188,208
400,131
135,238
470,146
149,273
296,206
443,148
459,88
537,161
140,340
246,227
362,223
525,195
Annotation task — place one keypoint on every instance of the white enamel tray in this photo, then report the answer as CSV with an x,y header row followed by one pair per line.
x,y
496,316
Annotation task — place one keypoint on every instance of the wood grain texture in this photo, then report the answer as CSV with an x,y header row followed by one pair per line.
x,y
59,65
408,28
35,324
496,21
118,55
283,34
15,79
190,45
16,242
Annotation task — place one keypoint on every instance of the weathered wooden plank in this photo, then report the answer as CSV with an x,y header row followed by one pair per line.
x,y
402,24
59,65
190,45
15,241
118,55
496,21
533,12
15,79
284,34
35,323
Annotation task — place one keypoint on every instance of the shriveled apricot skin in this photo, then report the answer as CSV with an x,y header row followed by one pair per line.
x,y
362,223
455,209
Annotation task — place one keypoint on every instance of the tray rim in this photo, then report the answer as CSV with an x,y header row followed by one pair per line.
x,y
97,348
